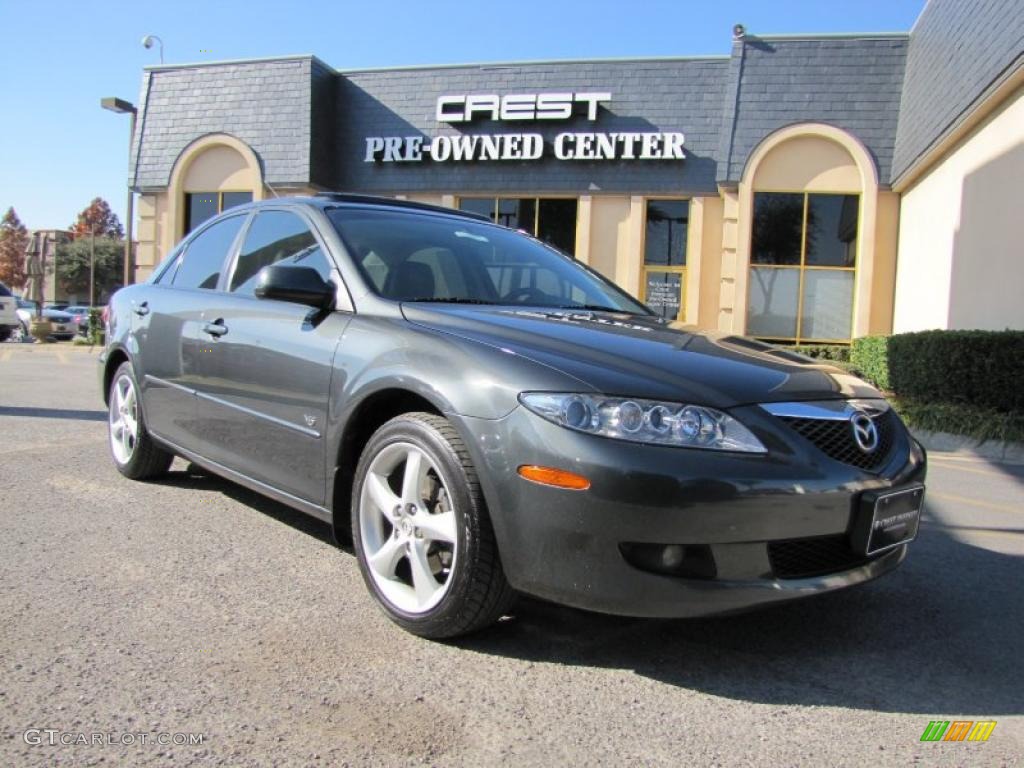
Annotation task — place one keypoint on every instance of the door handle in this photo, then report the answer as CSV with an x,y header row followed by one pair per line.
x,y
142,309
216,329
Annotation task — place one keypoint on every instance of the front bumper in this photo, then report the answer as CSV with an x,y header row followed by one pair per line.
x,y
737,512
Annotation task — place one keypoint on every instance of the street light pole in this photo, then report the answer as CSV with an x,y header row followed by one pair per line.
x,y
126,107
92,266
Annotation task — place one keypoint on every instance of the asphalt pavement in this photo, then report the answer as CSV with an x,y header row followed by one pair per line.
x,y
193,608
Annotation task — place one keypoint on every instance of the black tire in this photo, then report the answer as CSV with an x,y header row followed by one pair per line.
x,y
147,459
6,333
478,594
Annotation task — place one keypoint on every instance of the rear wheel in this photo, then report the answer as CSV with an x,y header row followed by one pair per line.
x,y
421,530
135,454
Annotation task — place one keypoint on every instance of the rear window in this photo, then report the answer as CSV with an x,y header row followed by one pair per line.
x,y
4,290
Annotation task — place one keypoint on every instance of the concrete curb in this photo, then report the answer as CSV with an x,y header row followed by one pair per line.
x,y
996,450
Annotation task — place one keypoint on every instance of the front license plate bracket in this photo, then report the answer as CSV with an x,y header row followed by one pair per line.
x,y
887,519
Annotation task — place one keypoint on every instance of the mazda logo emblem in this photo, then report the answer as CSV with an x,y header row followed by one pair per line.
x,y
865,433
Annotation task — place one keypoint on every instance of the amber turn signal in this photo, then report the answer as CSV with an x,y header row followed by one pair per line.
x,y
558,478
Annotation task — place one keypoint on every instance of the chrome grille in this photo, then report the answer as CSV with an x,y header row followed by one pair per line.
x,y
835,439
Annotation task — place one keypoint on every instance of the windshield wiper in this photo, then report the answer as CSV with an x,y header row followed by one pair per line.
x,y
593,308
449,300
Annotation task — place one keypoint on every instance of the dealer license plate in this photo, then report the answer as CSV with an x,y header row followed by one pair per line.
x,y
888,519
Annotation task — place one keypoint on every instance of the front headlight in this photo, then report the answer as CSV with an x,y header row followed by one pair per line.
x,y
644,421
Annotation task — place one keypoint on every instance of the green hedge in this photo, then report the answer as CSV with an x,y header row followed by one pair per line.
x,y
870,356
960,419
96,326
837,353
984,369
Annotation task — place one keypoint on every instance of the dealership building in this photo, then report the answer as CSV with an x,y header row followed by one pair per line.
x,y
804,188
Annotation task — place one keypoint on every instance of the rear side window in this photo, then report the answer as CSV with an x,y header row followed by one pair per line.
x,y
205,255
276,237
4,290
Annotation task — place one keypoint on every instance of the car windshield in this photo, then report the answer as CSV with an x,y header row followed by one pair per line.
x,y
419,257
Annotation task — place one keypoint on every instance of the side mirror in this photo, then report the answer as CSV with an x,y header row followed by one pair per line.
x,y
299,285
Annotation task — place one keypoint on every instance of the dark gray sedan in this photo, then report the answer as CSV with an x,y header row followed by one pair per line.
x,y
483,416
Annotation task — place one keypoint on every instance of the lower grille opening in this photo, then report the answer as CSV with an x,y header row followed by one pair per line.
x,y
818,556
689,561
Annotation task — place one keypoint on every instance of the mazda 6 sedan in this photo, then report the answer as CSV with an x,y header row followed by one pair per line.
x,y
485,416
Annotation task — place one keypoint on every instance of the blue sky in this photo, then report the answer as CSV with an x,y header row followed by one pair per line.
x,y
58,149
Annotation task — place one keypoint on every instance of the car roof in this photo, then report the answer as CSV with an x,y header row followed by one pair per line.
x,y
325,200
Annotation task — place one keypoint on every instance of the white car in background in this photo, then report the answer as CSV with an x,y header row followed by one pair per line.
x,y
10,321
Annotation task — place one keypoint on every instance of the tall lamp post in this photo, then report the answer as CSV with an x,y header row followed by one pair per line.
x,y
123,107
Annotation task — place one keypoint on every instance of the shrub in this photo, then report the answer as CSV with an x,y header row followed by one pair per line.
x,y
984,369
837,353
960,419
870,356
96,326
980,368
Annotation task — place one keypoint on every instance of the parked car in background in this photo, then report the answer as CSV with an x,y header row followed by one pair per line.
x,y
80,314
26,311
64,325
485,415
10,324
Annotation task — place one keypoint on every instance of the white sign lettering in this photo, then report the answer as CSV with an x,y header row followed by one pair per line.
x,y
464,108
526,146
517,106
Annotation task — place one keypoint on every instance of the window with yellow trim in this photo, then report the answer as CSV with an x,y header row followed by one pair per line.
x,y
666,228
200,206
550,219
803,263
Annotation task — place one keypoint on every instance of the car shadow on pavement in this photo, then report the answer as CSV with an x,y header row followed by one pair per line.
x,y
195,478
52,413
941,635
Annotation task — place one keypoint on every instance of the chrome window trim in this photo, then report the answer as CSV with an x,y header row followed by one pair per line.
x,y
828,410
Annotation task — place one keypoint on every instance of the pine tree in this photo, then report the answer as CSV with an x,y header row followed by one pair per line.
x,y
13,243
98,217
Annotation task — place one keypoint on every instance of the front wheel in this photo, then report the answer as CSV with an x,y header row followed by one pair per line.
x,y
135,454
421,530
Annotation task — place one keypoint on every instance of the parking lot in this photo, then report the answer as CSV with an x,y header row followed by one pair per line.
x,y
192,606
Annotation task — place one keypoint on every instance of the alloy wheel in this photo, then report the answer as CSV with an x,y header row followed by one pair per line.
x,y
124,419
408,528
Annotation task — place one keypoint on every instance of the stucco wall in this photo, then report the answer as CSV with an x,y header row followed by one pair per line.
x,y
961,258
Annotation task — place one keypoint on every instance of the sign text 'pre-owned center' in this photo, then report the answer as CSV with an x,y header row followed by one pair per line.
x,y
586,145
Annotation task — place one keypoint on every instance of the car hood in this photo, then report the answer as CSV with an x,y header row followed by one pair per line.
x,y
645,357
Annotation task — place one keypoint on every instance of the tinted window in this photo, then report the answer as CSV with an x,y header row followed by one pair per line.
x,y
231,199
832,230
205,255
200,206
4,291
276,236
778,228
665,237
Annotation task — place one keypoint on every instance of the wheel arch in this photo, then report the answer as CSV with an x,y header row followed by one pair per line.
x,y
363,419
115,358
